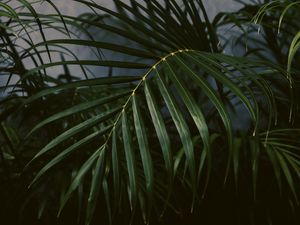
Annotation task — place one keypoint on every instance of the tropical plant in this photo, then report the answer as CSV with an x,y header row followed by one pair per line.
x,y
157,122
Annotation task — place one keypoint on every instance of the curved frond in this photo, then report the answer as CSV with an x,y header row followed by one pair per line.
x,y
139,116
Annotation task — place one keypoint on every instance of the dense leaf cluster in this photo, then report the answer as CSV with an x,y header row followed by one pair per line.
x,y
158,122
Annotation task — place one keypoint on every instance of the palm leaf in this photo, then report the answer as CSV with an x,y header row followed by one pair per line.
x,y
168,77
162,123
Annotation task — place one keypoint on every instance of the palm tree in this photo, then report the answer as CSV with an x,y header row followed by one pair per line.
x,y
159,122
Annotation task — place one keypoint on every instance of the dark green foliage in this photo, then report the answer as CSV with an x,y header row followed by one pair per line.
x,y
158,125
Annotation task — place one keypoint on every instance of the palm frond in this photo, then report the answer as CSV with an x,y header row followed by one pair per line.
x,y
171,104
164,106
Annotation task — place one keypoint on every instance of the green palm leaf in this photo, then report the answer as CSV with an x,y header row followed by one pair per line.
x,y
131,139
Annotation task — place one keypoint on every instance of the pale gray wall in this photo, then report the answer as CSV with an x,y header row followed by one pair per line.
x,y
69,7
